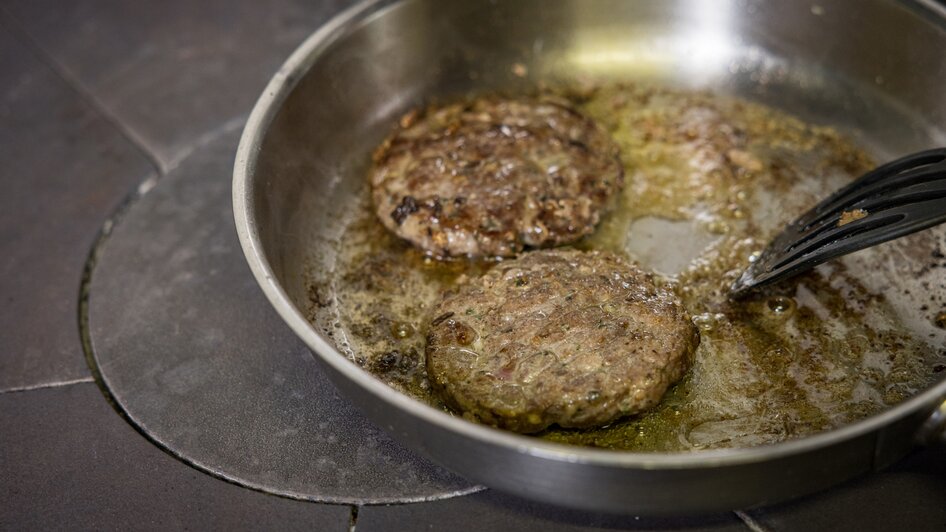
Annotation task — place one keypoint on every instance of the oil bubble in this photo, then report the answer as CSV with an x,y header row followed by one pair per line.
x,y
400,329
705,322
781,304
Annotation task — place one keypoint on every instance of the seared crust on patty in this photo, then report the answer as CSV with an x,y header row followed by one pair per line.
x,y
564,337
489,177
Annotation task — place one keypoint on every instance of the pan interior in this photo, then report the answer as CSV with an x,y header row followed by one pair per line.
x,y
815,62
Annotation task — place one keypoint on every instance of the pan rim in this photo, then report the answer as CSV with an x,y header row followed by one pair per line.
x,y
257,125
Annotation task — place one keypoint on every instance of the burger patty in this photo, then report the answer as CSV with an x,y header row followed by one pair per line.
x,y
563,337
491,176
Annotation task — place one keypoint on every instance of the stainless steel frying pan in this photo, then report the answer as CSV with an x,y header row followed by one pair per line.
x,y
874,68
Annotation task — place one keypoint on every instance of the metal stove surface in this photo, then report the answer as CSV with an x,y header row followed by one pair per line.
x,y
191,352
125,118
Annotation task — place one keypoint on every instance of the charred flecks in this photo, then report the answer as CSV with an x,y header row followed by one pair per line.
x,y
395,360
440,319
436,209
407,207
319,295
579,144
463,164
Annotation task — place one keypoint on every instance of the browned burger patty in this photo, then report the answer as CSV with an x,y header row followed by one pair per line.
x,y
490,177
563,337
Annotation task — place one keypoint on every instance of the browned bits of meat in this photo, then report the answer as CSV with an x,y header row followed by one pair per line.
x,y
406,208
491,177
851,216
564,337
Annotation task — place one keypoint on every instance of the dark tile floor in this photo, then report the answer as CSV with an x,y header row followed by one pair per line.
x,y
69,462
169,71
65,168
98,96
488,511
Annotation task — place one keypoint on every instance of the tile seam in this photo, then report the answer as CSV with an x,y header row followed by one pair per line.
x,y
751,522
86,94
46,385
353,518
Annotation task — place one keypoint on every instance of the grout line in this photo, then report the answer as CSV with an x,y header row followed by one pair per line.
x,y
750,522
353,519
229,125
16,27
45,385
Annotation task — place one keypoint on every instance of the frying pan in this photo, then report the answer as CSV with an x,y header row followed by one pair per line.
x,y
872,68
